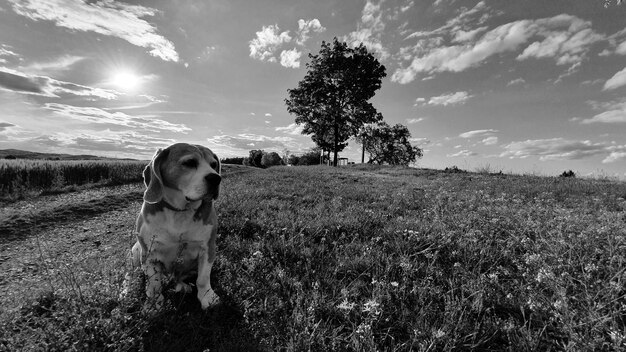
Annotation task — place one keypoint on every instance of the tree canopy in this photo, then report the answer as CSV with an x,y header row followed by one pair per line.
x,y
389,144
332,99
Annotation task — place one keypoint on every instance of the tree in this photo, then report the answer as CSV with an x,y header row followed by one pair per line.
x,y
293,160
389,144
271,159
310,158
254,159
332,99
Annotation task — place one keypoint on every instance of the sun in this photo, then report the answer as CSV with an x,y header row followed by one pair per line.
x,y
125,80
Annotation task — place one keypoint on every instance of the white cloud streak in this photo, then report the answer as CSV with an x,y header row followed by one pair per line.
x,y
96,115
450,99
566,39
370,29
106,17
478,133
618,80
562,149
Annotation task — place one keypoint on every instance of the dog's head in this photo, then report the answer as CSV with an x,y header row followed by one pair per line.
x,y
192,171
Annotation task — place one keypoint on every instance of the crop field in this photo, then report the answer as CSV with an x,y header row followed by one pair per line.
x,y
20,177
358,258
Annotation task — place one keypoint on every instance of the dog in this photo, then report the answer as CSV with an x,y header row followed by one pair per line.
x,y
177,226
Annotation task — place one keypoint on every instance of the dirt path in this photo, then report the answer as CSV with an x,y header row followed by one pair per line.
x,y
67,240
43,244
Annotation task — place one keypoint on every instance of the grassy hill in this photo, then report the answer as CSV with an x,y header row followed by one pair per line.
x,y
369,258
23,154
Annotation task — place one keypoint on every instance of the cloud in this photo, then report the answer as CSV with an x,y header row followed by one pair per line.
x,y
5,126
566,39
467,36
305,27
96,115
248,141
370,29
415,120
615,113
419,101
106,17
516,81
267,114
48,87
6,52
270,39
614,156
290,58
462,153
127,144
458,23
59,64
450,99
490,140
267,41
478,133
618,80
293,129
554,149
617,43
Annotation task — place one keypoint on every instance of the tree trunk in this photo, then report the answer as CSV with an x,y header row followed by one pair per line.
x,y
336,144
363,154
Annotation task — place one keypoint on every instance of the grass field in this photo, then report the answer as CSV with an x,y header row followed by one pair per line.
x,y
358,258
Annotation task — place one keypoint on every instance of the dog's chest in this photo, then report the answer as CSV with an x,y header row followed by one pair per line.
x,y
176,243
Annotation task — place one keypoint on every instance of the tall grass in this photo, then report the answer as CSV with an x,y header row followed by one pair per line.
x,y
22,177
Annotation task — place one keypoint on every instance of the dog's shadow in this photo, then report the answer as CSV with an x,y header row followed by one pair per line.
x,y
181,325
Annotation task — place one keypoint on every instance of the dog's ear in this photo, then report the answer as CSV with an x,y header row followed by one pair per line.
x,y
219,171
152,178
219,164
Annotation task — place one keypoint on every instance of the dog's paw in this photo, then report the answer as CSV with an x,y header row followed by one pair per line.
x,y
153,304
183,287
208,299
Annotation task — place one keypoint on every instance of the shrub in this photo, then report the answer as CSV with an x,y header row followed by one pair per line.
x,y
454,170
310,158
233,161
293,160
569,173
271,159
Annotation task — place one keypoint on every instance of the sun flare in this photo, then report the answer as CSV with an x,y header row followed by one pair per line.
x,y
126,80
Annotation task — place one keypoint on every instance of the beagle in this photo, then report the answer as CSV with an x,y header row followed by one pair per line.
x,y
177,226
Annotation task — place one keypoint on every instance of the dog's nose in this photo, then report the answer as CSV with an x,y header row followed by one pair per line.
x,y
214,179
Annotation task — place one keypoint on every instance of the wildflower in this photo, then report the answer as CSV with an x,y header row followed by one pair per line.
x,y
345,305
591,267
364,329
544,275
437,334
371,306
394,284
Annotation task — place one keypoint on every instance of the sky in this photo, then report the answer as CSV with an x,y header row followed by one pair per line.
x,y
527,86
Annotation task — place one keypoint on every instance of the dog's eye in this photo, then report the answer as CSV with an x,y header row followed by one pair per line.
x,y
191,163
213,165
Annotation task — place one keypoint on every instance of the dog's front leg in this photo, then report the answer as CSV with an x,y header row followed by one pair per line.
x,y
154,286
206,295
